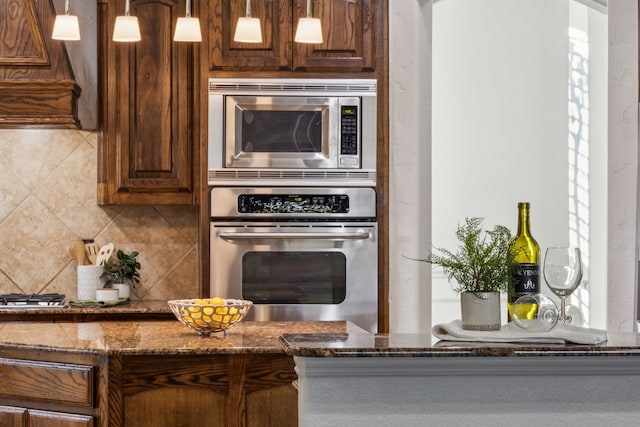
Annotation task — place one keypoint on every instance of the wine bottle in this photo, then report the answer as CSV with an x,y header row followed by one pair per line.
x,y
526,252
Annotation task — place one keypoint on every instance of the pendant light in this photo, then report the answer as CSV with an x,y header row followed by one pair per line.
x,y
248,28
66,26
187,28
309,29
126,28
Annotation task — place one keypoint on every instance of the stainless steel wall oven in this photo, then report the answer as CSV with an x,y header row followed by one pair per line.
x,y
306,253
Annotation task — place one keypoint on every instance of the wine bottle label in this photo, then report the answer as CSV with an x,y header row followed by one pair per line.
x,y
527,279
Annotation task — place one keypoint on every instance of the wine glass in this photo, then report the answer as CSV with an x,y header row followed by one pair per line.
x,y
563,273
535,313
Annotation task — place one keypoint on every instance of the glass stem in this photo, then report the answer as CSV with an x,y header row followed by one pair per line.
x,y
563,308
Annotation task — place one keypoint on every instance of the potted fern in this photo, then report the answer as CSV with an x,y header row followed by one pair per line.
x,y
122,273
481,268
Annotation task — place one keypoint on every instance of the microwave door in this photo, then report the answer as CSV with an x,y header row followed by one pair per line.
x,y
281,132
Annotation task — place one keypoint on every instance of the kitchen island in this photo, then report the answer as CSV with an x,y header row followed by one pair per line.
x,y
404,379
148,373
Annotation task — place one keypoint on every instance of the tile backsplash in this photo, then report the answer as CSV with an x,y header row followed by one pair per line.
x,y
48,199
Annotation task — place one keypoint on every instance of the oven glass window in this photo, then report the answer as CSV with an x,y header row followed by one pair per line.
x,y
281,131
294,277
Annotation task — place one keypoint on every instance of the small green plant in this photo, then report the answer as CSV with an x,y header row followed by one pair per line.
x,y
483,263
123,270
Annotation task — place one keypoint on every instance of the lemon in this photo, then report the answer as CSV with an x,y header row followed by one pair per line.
x,y
233,310
201,302
207,310
217,301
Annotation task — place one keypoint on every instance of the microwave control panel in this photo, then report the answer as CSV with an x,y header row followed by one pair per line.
x,y
349,133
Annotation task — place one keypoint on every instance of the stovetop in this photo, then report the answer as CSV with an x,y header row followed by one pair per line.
x,y
31,301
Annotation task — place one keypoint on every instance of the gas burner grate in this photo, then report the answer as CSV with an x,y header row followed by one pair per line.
x,y
32,300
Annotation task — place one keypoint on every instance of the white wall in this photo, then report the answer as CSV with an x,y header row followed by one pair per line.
x,y
623,165
409,285
409,165
501,125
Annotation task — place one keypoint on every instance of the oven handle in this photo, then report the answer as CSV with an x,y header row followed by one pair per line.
x,y
231,235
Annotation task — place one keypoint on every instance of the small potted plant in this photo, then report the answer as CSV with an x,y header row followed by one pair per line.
x,y
122,273
482,267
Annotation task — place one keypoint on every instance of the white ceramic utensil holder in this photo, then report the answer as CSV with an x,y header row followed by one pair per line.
x,y
88,281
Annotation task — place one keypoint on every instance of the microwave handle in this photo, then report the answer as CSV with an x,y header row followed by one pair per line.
x,y
230,235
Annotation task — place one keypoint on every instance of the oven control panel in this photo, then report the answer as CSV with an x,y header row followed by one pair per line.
x,y
293,203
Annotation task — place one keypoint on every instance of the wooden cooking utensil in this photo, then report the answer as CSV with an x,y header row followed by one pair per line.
x,y
78,250
104,254
91,249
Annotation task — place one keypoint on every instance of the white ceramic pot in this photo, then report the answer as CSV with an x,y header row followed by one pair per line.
x,y
107,294
480,311
124,290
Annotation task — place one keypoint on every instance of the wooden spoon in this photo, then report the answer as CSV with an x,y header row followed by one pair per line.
x,y
78,250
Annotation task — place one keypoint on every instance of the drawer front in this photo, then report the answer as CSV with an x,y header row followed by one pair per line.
x,y
47,381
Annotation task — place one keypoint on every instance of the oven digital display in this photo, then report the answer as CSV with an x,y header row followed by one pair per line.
x,y
293,203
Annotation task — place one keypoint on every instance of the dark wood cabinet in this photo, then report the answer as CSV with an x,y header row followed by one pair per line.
x,y
251,390
149,130
60,389
37,85
39,393
22,417
348,36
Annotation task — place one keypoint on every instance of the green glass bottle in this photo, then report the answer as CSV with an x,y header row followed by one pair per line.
x,y
527,254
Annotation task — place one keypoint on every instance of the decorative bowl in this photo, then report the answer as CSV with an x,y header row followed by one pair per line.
x,y
209,315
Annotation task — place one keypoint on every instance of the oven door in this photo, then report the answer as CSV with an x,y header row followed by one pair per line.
x,y
298,272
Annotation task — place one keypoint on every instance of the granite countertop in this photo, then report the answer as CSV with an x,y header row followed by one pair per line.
x,y
148,337
133,307
422,345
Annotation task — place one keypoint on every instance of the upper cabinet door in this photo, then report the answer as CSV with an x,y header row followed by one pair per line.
x,y
348,36
274,53
148,125
348,28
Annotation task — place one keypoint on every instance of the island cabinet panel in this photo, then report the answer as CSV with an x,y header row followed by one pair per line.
x,y
348,29
13,417
22,417
56,419
213,390
148,121
47,382
51,389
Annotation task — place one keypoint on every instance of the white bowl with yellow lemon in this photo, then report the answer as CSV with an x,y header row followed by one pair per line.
x,y
208,315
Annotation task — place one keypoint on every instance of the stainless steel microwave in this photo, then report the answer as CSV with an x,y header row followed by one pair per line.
x,y
292,131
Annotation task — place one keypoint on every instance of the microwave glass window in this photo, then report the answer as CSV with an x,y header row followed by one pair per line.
x,y
294,277
281,131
